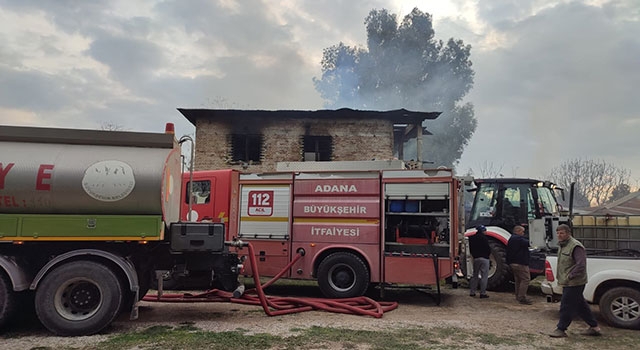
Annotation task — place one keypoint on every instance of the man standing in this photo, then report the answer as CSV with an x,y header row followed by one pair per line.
x,y
572,277
480,251
518,257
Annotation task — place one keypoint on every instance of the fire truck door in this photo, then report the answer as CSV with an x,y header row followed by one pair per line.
x,y
202,203
264,221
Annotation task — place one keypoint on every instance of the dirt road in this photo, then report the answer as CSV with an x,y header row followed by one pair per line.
x,y
498,315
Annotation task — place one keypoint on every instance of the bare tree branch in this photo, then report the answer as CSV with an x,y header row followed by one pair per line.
x,y
490,170
111,126
595,179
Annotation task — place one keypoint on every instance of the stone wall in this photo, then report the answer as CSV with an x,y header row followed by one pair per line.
x,y
353,139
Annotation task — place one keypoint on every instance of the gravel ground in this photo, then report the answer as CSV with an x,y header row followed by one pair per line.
x,y
498,315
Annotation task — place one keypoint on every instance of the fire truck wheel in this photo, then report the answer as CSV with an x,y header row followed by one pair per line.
x,y
7,300
343,275
621,307
499,271
78,298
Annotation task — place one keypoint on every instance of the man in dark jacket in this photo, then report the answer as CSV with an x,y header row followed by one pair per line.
x,y
480,251
518,257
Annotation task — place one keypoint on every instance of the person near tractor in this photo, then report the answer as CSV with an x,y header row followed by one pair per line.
x,y
518,257
572,276
480,251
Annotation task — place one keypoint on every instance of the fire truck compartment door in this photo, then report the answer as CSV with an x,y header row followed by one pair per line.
x,y
265,212
417,191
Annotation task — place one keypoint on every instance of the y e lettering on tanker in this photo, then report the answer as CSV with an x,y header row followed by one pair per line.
x,y
43,179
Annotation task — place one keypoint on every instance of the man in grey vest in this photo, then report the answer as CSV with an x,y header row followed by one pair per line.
x,y
572,277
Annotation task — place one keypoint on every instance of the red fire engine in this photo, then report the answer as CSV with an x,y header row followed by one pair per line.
x,y
347,229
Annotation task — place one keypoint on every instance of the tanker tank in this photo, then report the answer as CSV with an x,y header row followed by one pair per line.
x,y
70,171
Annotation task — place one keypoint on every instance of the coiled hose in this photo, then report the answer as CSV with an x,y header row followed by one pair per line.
x,y
274,306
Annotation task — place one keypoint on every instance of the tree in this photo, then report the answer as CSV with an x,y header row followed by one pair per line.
x,y
619,191
595,180
580,199
405,67
490,170
111,126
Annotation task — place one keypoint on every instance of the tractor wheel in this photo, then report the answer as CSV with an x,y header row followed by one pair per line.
x,y
621,307
343,275
7,300
78,298
499,271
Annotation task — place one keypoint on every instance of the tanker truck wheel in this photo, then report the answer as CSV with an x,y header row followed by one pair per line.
x,y
343,275
7,300
78,298
499,271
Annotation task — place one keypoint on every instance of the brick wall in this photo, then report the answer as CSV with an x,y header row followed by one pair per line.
x,y
353,139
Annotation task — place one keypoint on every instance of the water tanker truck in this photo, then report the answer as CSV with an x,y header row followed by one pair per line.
x,y
86,216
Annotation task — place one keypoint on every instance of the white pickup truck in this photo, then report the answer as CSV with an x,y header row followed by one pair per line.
x,y
614,284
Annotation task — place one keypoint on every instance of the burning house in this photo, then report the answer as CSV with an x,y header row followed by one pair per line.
x,y
256,140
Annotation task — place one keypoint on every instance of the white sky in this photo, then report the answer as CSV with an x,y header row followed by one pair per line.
x,y
555,80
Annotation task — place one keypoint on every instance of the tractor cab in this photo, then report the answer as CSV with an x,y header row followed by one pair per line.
x,y
506,202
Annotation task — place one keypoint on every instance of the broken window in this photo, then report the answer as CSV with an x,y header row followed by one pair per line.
x,y
246,147
317,148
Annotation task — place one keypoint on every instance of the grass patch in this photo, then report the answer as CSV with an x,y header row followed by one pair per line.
x,y
404,339
186,336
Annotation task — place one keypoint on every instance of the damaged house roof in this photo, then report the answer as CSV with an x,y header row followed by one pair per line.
x,y
399,116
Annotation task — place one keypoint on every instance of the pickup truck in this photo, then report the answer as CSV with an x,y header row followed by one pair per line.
x,y
614,284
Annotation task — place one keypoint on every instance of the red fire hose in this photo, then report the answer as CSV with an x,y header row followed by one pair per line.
x,y
274,306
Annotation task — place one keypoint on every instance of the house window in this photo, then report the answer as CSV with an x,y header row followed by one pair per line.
x,y
246,147
317,148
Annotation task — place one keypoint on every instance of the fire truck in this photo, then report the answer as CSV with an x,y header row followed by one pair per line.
x,y
358,225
